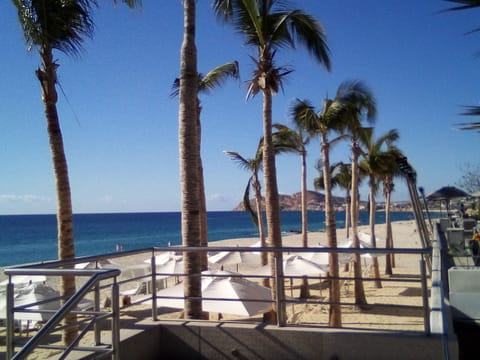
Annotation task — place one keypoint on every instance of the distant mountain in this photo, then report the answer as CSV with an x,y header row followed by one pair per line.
x,y
315,201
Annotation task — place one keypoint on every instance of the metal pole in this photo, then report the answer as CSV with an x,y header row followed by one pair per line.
x,y
10,318
154,288
115,320
426,311
96,327
279,291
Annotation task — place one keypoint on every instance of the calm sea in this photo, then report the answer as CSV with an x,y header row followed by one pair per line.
x,y
32,238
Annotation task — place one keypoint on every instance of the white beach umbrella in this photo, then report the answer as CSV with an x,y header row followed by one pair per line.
x,y
97,264
31,294
235,258
163,257
296,265
237,289
320,258
171,266
24,280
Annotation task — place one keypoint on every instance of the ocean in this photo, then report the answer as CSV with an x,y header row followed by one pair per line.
x,y
33,238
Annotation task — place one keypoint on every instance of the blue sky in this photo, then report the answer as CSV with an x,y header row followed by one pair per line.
x,y
120,126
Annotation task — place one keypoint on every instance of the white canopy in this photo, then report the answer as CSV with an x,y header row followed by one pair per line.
x,y
237,289
296,265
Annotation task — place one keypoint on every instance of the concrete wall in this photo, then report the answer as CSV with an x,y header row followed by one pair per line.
x,y
202,340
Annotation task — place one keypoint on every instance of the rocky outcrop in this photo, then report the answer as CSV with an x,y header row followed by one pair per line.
x,y
315,201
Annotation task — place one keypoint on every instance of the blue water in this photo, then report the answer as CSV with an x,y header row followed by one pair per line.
x,y
32,238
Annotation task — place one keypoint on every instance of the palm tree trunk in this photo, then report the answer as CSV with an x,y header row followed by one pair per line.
x,y
261,226
373,239
348,214
201,194
360,298
389,237
188,140
272,206
304,200
335,315
66,248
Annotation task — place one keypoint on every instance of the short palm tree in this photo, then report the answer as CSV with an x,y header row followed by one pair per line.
x,y
50,25
361,106
392,171
206,83
269,25
375,161
253,165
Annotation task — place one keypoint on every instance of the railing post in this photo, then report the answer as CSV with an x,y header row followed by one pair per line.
x,y
279,291
426,312
154,287
96,327
115,320
10,318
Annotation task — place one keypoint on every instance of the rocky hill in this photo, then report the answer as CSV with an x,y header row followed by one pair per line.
x,y
315,201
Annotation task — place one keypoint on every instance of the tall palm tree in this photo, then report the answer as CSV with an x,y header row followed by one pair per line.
x,y
296,141
328,120
189,164
50,25
361,106
269,25
375,163
206,83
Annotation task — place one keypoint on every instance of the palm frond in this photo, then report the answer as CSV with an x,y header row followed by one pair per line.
x,y
217,76
56,24
469,126
465,4
247,205
242,162
308,32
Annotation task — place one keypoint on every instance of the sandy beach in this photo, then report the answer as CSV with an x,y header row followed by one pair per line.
x,y
311,314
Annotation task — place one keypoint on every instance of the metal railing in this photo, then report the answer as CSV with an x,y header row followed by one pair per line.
x,y
93,284
51,325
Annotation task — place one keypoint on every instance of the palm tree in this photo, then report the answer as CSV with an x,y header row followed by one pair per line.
x,y
323,123
361,105
189,164
206,83
375,162
253,165
269,25
296,141
392,170
340,176
50,25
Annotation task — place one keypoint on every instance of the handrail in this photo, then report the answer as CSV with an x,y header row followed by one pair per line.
x,y
98,275
101,274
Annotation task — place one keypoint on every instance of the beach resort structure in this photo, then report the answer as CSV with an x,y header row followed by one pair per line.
x,y
427,309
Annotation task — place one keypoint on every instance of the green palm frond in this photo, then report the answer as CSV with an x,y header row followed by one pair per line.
x,y
286,140
217,76
243,163
213,79
56,24
307,31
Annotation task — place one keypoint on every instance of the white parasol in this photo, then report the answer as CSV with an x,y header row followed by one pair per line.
x,y
247,298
